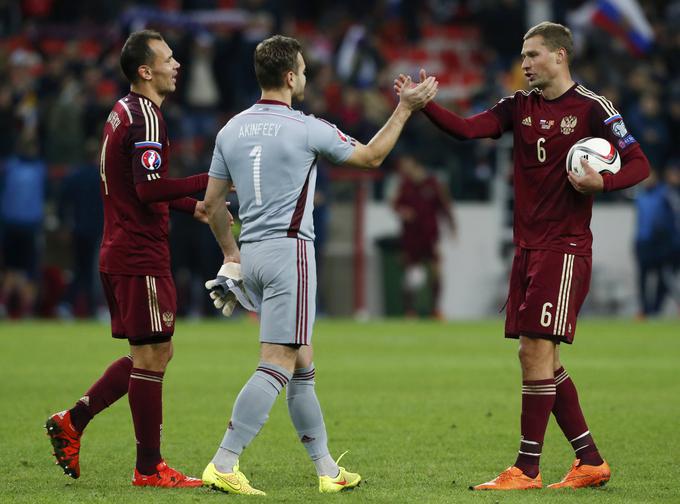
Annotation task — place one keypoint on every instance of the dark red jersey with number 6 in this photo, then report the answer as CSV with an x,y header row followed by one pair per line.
x,y
549,213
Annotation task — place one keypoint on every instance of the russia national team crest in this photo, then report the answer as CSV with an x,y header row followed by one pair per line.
x,y
568,124
168,318
151,160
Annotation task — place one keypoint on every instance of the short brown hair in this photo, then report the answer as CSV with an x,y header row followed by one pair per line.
x,y
555,36
136,52
274,57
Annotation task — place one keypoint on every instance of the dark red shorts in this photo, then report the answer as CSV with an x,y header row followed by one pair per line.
x,y
416,251
547,290
142,307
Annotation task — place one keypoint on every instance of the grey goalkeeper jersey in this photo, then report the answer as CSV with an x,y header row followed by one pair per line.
x,y
269,152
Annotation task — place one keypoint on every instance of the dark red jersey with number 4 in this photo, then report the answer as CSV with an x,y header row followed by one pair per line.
x,y
134,150
549,213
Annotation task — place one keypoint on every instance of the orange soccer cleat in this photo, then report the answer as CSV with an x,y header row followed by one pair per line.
x,y
511,479
165,477
65,440
582,476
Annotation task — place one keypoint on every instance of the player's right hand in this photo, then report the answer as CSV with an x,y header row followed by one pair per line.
x,y
400,81
220,287
227,288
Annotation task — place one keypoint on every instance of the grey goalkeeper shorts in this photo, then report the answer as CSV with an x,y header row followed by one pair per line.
x,y
280,276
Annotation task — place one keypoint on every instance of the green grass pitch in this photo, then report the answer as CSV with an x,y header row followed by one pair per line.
x,y
426,409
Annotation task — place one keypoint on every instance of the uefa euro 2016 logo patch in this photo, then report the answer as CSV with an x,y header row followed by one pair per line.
x,y
151,160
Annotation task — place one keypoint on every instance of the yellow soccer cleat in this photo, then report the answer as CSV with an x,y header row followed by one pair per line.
x,y
511,479
234,482
583,476
342,481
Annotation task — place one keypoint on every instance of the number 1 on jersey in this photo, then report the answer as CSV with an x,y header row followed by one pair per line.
x,y
256,154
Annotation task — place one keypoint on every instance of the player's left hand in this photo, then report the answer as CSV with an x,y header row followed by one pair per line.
x,y
590,182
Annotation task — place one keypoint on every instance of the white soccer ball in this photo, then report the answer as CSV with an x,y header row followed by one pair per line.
x,y
599,153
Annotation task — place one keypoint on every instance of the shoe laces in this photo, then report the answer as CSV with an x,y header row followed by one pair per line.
x,y
239,474
505,475
340,457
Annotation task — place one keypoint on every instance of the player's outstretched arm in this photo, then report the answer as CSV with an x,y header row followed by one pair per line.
x,y
168,189
374,153
219,218
483,125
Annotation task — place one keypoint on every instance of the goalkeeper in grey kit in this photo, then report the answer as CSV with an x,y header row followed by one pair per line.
x,y
269,152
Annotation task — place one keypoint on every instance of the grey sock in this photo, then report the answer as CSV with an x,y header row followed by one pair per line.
x,y
326,466
305,412
251,411
225,460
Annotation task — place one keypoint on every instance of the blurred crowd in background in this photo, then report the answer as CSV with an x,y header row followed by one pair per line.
x,y
59,62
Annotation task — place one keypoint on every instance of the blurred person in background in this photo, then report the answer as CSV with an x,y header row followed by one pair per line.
x,y
671,267
321,217
65,134
653,243
649,125
201,91
22,211
421,199
81,219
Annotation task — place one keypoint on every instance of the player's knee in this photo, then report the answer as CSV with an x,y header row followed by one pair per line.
x,y
154,357
281,355
529,353
536,356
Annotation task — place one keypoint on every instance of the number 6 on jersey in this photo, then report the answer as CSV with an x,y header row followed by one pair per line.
x,y
256,154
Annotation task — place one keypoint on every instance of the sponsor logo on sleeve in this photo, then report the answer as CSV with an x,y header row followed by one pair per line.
x,y
626,141
151,160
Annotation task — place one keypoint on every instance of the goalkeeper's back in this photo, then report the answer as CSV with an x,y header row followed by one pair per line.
x,y
269,151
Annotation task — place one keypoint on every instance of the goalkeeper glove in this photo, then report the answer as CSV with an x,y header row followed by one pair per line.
x,y
227,288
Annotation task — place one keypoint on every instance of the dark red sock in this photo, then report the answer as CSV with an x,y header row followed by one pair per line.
x,y
146,404
569,416
436,292
538,397
110,387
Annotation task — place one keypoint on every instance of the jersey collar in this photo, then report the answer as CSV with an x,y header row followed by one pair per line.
x,y
273,102
145,97
568,92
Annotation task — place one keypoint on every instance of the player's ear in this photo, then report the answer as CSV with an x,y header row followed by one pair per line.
x,y
290,79
144,72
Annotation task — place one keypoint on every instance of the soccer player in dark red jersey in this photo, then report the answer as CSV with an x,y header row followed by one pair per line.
x,y
421,199
134,262
551,269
